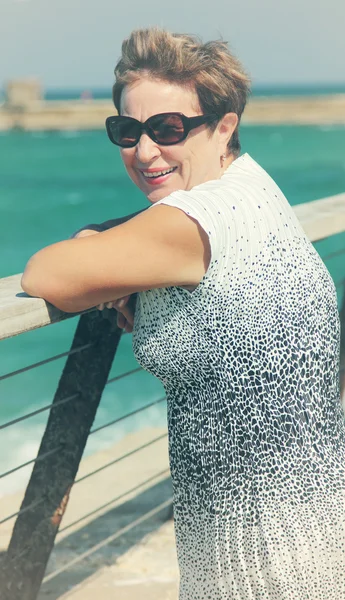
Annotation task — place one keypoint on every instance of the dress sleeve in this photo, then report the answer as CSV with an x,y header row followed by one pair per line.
x,y
205,207
207,204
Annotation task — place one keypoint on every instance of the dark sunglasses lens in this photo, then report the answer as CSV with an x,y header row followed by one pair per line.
x,y
167,129
125,132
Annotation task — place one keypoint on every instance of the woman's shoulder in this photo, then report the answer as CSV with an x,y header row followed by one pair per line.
x,y
244,172
213,202
243,176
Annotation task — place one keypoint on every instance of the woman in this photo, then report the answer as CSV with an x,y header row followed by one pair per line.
x,y
237,316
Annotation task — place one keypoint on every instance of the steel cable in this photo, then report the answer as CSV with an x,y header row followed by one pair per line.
x,y
134,412
39,410
116,460
133,489
34,460
23,510
45,361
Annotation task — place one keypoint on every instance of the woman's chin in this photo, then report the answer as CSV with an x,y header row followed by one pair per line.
x,y
159,193
156,196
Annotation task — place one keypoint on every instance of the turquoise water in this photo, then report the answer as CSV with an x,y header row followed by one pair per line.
x,y
258,90
54,183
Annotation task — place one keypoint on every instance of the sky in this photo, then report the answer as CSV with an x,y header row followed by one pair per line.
x,y
76,43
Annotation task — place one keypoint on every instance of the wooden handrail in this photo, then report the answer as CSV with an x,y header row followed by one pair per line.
x,y
20,313
322,218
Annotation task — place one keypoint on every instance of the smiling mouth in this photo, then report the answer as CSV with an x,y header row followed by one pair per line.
x,y
157,174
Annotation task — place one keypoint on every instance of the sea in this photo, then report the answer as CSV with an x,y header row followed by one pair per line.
x,y
53,183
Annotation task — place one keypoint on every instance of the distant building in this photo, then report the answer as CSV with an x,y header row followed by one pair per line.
x,y
23,93
86,95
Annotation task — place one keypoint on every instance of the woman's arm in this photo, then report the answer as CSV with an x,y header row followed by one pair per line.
x,y
158,248
98,227
125,306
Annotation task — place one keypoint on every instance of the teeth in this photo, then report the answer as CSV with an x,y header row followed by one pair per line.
x,y
158,173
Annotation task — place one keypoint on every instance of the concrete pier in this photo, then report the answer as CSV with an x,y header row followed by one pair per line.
x,y
91,114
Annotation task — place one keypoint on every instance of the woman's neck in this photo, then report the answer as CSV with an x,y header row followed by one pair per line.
x,y
227,162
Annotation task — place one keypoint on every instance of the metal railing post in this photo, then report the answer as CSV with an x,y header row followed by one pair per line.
x,y
85,375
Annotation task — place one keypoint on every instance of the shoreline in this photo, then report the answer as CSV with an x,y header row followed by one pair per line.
x,y
151,461
53,115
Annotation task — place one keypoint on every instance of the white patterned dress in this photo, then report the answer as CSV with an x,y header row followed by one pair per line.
x,y
250,364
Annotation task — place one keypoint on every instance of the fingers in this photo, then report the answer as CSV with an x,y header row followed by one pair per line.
x,y
121,302
123,306
121,320
85,233
123,323
128,314
125,311
111,304
106,305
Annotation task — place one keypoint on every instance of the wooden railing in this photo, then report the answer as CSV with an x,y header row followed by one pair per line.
x,y
75,404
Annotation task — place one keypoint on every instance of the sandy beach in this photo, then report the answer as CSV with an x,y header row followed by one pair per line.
x,y
116,539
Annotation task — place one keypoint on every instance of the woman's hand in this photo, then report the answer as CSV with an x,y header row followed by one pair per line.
x,y
85,233
125,309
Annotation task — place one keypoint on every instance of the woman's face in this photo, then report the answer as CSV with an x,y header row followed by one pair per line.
x,y
194,160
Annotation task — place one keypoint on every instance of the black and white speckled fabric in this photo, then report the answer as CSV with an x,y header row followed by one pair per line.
x,y
250,363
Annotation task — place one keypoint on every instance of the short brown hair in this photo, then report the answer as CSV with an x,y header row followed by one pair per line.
x,y
216,75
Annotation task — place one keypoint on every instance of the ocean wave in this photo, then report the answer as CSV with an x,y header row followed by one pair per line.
x,y
22,442
39,134
69,133
326,127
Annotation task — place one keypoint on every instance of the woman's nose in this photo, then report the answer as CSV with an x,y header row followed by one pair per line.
x,y
146,149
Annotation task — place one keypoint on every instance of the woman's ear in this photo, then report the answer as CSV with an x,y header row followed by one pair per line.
x,y
226,128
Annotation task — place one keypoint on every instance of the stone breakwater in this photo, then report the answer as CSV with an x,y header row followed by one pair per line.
x,y
91,114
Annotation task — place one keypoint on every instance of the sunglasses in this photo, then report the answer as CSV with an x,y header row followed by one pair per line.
x,y
164,129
